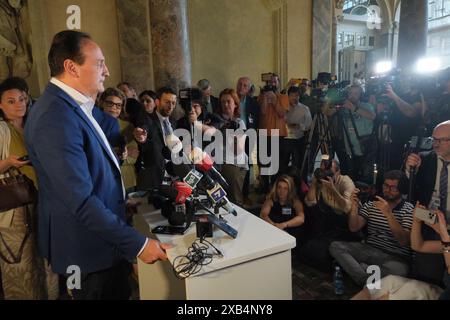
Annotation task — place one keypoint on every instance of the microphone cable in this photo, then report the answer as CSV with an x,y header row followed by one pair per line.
x,y
198,256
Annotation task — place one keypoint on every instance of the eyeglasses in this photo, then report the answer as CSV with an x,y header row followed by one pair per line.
x,y
111,104
100,64
390,188
440,140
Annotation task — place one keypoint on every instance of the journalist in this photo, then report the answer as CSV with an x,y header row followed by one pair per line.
x,y
388,220
328,200
405,118
355,141
431,189
235,160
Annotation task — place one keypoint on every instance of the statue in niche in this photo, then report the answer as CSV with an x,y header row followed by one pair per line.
x,y
15,51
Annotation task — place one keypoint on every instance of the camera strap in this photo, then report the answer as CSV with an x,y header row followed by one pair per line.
x,y
354,124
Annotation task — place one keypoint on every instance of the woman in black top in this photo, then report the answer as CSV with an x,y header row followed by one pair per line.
x,y
282,207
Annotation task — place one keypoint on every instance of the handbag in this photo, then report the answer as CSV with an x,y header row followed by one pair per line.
x,y
16,190
17,258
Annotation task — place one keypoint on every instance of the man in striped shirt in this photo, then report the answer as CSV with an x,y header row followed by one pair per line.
x,y
389,221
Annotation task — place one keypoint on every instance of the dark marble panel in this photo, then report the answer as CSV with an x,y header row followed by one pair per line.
x,y
134,37
413,32
170,42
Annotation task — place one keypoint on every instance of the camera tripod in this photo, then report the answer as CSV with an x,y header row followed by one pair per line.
x,y
319,125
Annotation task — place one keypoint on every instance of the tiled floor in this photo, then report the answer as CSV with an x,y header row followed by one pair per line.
x,y
311,284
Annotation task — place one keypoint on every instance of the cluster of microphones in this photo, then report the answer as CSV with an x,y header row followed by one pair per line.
x,y
196,185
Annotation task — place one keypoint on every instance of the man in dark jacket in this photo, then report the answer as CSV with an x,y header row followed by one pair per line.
x,y
151,132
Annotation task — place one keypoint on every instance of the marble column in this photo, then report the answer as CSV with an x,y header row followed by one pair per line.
x,y
413,31
334,61
135,49
322,38
170,43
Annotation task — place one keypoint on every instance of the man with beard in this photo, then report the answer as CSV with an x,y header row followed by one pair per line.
x,y
150,133
389,221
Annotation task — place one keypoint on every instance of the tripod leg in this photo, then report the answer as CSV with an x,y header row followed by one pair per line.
x,y
308,146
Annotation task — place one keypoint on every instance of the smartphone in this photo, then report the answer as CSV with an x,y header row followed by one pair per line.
x,y
426,215
24,158
223,225
169,230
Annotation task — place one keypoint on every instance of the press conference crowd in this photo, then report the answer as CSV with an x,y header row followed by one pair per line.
x,y
84,148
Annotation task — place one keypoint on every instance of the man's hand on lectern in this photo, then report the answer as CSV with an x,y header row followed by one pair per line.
x,y
154,251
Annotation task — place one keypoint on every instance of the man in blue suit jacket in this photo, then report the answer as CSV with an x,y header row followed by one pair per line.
x,y
81,195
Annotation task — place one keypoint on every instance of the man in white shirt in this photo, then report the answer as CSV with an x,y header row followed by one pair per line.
x,y
81,197
298,121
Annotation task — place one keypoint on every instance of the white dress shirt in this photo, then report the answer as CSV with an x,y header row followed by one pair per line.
x,y
436,187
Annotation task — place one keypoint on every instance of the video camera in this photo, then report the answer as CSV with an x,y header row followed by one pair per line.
x,y
377,85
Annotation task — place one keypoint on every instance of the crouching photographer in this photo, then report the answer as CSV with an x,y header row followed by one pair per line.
x,y
328,201
330,189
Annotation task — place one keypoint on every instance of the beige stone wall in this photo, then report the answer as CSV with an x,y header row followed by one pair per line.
x,y
231,38
98,18
299,32
228,38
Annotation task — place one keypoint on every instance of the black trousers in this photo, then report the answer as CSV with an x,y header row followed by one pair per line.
x,y
108,284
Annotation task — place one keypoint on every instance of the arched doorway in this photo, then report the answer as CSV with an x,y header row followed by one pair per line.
x,y
359,44
438,44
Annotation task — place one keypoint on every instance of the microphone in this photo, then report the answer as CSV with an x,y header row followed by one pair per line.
x,y
178,192
216,193
184,191
204,163
173,143
177,207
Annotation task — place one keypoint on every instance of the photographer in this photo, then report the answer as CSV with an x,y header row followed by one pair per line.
x,y
355,142
273,108
405,117
331,187
193,117
388,220
328,199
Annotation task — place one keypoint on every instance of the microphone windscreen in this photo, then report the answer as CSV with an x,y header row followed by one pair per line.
x,y
169,192
174,143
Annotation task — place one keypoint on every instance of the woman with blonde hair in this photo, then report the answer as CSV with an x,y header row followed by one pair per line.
x,y
282,207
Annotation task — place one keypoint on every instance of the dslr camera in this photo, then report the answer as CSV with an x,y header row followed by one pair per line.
x,y
230,124
188,96
325,172
267,77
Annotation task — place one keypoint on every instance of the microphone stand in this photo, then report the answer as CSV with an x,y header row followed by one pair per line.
x,y
412,178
